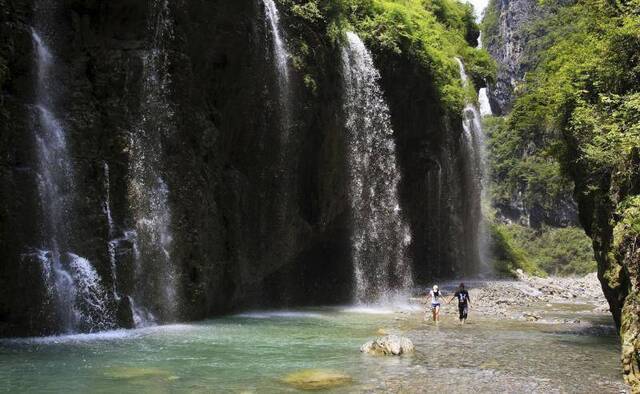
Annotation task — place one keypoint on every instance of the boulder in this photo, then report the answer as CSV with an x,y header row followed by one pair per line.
x,y
389,345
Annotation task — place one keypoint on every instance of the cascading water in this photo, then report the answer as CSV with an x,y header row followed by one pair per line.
x,y
380,236
91,298
281,65
475,146
113,243
483,98
155,272
283,214
72,283
483,101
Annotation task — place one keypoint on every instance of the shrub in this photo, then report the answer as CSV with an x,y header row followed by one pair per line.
x,y
554,251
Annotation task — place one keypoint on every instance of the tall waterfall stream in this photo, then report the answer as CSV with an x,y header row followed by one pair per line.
x,y
156,287
380,235
73,285
474,141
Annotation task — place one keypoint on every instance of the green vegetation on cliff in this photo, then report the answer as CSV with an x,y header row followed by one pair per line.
x,y
547,251
508,255
432,32
523,164
490,25
582,97
527,179
585,87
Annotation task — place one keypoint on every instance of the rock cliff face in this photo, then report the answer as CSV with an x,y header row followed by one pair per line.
x,y
233,245
504,38
439,205
608,208
513,36
246,230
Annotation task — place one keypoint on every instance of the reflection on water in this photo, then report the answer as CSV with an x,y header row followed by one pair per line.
x,y
254,351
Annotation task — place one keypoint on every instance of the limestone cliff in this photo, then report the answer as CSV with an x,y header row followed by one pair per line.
x,y
609,210
505,37
255,221
514,34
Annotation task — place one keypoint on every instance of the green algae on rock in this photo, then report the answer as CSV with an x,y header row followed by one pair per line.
x,y
317,379
126,373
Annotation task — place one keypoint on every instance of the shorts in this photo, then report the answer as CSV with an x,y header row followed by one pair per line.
x,y
464,310
434,305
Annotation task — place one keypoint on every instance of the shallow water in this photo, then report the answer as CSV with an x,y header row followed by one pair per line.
x,y
252,352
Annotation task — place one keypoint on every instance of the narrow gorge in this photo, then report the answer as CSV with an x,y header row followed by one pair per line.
x,y
569,93
171,165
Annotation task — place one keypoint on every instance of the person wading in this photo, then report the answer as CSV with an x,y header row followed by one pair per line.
x,y
463,302
435,304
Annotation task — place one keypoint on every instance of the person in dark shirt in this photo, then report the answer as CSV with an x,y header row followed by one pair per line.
x,y
463,302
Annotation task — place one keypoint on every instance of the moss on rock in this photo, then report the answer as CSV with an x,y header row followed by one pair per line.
x,y
317,379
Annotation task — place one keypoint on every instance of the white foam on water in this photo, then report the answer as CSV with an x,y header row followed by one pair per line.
x,y
279,314
368,310
382,308
73,338
112,335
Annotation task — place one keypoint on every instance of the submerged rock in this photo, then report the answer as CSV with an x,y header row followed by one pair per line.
x,y
382,331
390,345
317,379
126,373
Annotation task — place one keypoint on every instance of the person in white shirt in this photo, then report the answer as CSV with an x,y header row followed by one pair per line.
x,y
435,303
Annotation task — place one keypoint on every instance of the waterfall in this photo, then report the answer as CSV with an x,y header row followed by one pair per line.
x,y
148,192
112,244
55,174
281,55
283,214
107,199
139,315
483,98
476,149
73,286
379,235
92,307
281,65
483,101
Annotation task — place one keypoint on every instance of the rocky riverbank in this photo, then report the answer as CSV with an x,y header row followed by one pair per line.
x,y
543,300
514,328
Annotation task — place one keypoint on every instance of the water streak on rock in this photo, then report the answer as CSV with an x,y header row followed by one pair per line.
x,y
155,272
